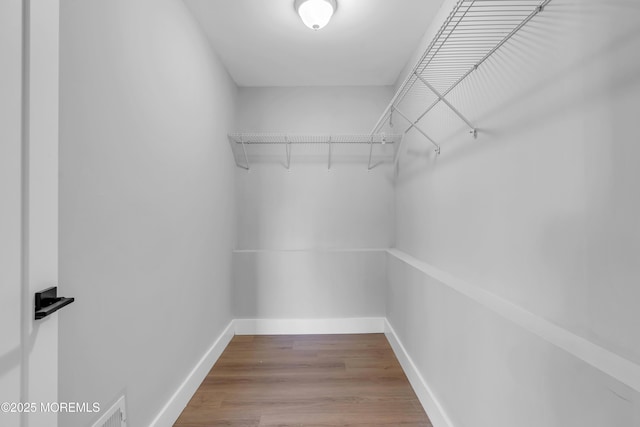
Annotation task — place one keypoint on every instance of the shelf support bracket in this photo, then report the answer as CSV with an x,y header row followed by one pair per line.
x,y
288,150
246,159
441,97
415,125
370,153
396,157
383,141
329,163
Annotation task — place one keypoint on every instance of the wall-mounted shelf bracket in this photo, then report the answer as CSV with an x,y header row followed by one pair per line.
x,y
288,150
369,167
383,141
246,159
441,97
414,125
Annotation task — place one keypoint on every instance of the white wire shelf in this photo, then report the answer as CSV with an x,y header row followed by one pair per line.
x,y
472,32
245,146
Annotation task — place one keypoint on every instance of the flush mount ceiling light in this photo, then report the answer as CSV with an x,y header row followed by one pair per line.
x,y
315,13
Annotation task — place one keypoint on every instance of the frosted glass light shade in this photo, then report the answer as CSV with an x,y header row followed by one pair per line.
x,y
315,13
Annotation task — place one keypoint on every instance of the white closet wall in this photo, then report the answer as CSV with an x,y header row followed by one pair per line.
x,y
540,213
305,237
146,202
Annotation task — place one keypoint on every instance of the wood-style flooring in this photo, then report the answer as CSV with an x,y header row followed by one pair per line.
x,y
305,380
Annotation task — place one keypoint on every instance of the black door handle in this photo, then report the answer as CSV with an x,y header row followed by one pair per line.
x,y
48,302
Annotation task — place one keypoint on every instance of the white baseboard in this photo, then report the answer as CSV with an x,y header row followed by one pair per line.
x,y
179,400
360,325
431,406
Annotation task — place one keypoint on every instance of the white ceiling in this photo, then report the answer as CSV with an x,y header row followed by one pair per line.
x,y
264,42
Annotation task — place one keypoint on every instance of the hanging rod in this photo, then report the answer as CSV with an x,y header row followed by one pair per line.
x,y
472,32
243,140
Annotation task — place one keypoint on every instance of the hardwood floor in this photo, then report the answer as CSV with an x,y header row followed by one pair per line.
x,y
305,380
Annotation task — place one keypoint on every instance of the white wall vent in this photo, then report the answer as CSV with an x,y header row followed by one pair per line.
x,y
116,416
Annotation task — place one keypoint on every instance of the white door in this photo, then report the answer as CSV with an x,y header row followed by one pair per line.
x,y
28,209
10,196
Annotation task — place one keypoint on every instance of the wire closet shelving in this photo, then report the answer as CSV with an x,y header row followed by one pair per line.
x,y
240,142
471,33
